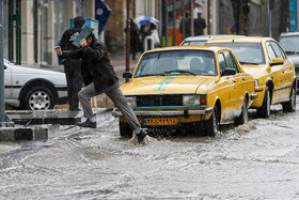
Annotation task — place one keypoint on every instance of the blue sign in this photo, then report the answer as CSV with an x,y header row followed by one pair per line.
x,y
293,15
102,13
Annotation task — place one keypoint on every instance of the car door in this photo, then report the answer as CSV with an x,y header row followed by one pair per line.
x,y
287,72
226,84
7,81
239,83
276,75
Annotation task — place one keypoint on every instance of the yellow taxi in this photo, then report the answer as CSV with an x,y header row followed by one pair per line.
x,y
188,87
274,73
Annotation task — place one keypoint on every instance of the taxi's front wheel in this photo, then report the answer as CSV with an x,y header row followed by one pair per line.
x,y
213,124
290,106
264,111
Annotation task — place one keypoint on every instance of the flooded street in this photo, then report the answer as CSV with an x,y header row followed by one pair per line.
x,y
259,160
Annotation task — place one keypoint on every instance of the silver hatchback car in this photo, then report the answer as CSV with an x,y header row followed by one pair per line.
x,y
32,88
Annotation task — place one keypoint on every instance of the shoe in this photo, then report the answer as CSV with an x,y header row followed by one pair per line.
x,y
141,135
87,124
75,109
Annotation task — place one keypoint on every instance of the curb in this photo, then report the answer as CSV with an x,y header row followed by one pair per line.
x,y
17,134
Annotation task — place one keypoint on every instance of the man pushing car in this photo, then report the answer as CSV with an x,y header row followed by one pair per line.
x,y
103,79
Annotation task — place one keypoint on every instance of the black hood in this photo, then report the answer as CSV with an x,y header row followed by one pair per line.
x,y
79,21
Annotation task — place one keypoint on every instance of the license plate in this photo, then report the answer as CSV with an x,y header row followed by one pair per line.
x,y
160,121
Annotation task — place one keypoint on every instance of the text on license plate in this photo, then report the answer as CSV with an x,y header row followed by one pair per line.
x,y
160,121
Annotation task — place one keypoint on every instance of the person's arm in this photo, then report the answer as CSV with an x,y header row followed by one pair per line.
x,y
72,54
64,39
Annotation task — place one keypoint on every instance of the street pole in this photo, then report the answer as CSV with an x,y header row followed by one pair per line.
x,y
2,106
269,18
174,23
128,37
183,18
191,17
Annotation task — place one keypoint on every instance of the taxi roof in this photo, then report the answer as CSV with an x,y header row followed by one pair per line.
x,y
195,47
250,39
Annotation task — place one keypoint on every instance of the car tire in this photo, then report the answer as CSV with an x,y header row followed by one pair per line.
x,y
264,111
125,130
243,118
38,98
290,106
212,125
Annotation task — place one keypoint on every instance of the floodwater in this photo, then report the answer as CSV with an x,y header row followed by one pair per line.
x,y
256,161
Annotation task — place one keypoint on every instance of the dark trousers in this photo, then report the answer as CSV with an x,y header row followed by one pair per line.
x,y
72,69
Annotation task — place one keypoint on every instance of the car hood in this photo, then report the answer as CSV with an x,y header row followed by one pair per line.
x,y
168,85
35,71
256,71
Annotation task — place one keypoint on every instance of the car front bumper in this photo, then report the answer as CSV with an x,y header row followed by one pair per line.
x,y
154,118
166,113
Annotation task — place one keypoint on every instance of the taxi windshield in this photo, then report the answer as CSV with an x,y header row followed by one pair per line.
x,y
247,53
182,62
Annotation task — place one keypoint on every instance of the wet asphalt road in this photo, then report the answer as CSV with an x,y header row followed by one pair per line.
x,y
256,161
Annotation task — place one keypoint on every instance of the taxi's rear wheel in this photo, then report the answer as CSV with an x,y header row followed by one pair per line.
x,y
125,130
264,111
243,118
290,106
213,124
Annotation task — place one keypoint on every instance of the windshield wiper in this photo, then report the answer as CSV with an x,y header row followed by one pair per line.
x,y
180,71
144,75
248,63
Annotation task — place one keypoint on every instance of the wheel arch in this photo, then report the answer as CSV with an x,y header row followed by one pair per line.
x,y
40,82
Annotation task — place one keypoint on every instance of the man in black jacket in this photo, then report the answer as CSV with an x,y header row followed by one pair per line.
x,y
72,67
103,79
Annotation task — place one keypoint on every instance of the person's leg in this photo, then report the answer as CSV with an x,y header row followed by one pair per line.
x,y
76,83
68,77
84,97
120,102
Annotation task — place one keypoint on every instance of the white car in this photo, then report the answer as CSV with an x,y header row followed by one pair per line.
x,y
31,88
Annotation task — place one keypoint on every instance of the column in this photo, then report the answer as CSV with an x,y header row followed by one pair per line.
x,y
27,47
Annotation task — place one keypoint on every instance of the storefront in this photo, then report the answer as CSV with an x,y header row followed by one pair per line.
x,y
41,23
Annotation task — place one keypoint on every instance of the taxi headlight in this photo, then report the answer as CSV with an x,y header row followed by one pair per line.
x,y
131,101
191,100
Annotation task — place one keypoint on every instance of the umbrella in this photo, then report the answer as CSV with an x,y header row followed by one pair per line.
x,y
146,19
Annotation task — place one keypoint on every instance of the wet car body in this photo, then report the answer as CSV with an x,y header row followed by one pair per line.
x,y
199,90
33,89
274,73
290,43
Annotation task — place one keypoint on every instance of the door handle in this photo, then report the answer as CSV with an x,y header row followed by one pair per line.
x,y
234,81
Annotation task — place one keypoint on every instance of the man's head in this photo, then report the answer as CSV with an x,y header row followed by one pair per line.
x,y
79,21
199,15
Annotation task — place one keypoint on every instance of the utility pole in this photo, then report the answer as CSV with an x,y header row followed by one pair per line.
x,y
128,37
191,4
164,14
174,23
269,17
2,106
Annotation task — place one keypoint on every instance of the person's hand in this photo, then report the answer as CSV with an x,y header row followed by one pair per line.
x,y
83,43
58,50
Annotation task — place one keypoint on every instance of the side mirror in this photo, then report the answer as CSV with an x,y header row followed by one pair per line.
x,y
228,72
277,61
127,76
